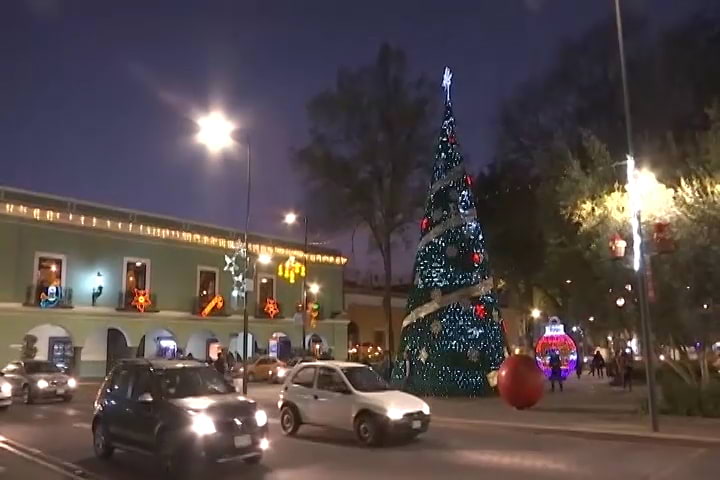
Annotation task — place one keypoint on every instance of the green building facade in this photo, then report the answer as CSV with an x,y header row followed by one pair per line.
x,y
56,253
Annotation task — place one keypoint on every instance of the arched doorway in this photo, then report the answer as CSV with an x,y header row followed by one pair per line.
x,y
203,345
316,344
49,342
103,348
280,346
236,346
158,343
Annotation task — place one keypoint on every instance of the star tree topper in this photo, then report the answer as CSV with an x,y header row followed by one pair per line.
x,y
447,81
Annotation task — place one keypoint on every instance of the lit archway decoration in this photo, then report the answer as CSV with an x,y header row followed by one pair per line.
x,y
291,269
141,299
556,340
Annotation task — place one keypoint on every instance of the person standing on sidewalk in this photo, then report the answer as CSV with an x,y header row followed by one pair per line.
x,y
598,363
579,367
407,367
555,371
625,368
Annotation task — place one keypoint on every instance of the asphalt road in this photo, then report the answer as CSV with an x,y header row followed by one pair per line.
x,y
62,431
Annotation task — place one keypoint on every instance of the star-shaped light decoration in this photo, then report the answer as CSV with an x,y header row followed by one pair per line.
x,y
141,299
229,264
436,327
271,307
423,356
447,81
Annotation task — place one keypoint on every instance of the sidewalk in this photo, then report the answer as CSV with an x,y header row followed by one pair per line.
x,y
587,407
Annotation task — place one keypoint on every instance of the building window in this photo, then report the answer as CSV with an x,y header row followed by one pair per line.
x,y
136,276
379,338
265,289
49,271
207,286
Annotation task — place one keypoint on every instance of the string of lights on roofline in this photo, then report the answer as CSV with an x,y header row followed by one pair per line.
x,y
88,221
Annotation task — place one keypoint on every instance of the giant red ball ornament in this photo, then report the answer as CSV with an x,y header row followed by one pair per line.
x,y
520,382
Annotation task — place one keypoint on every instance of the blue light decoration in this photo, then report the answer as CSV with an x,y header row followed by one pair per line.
x,y
52,297
555,340
452,334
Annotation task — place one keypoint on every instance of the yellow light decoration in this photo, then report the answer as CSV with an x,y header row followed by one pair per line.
x,y
215,304
48,215
290,269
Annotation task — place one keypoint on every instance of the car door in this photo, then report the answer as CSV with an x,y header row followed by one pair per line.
x,y
333,399
143,416
116,406
261,369
300,391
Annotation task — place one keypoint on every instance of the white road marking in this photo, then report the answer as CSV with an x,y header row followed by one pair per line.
x,y
82,425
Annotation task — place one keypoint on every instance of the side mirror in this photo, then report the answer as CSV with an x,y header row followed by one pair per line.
x,y
145,398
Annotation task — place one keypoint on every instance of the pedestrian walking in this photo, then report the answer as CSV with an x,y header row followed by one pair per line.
x,y
407,368
626,370
220,364
579,367
598,363
555,371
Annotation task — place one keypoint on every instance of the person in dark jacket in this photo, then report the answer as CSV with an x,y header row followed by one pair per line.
x,y
555,371
598,363
220,364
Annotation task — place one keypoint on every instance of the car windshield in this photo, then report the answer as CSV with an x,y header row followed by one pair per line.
x,y
365,379
41,367
192,382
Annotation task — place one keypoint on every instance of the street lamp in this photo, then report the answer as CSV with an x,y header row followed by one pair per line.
x,y
290,219
215,132
314,288
535,313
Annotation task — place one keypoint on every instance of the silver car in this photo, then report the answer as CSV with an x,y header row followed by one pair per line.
x,y
5,393
35,379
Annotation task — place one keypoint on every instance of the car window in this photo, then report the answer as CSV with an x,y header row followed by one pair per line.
x,y
192,382
120,383
365,379
304,377
330,380
41,367
142,383
264,361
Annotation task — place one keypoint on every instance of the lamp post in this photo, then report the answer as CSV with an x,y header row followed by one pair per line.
x,y
291,219
215,132
636,221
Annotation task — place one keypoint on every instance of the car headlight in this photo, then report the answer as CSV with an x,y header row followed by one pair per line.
x,y
6,389
281,372
42,383
202,425
261,418
395,414
426,408
72,383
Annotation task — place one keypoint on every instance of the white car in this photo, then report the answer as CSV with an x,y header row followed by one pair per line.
x,y
349,396
6,391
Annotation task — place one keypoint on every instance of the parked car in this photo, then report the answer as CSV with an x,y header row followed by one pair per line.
x,y
282,371
182,411
35,379
349,396
5,392
263,369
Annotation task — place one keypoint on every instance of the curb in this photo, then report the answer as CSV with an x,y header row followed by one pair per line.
x,y
595,433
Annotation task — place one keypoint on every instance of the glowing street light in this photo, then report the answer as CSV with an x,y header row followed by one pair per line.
x,y
535,313
620,302
314,288
215,132
264,258
290,218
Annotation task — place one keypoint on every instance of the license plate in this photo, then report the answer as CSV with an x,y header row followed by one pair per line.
x,y
416,424
243,441
60,391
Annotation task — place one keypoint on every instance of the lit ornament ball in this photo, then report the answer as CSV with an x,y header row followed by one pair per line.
x,y
520,382
556,340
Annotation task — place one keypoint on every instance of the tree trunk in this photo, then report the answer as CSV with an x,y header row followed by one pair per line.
x,y
387,295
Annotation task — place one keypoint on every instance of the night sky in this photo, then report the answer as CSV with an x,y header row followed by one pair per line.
x,y
97,97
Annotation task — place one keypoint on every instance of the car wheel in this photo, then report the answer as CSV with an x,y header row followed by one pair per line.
x,y
101,445
289,420
254,460
368,430
175,461
26,395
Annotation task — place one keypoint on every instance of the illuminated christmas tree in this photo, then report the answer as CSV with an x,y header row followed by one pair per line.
x,y
452,334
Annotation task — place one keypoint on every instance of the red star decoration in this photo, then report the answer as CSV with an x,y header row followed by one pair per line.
x,y
468,180
477,258
451,139
141,299
480,310
271,307
424,224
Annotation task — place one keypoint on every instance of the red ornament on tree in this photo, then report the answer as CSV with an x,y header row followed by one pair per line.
x,y
480,310
477,258
468,180
451,139
424,224
520,382
662,237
